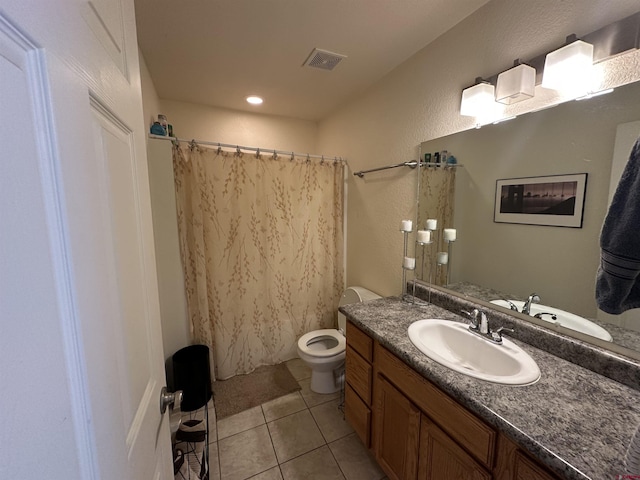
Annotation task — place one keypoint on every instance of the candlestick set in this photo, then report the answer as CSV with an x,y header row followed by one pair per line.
x,y
423,238
409,263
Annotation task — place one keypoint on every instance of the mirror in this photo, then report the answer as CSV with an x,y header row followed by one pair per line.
x,y
491,260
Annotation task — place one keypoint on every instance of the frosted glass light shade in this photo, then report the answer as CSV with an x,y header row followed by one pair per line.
x,y
569,68
478,100
516,84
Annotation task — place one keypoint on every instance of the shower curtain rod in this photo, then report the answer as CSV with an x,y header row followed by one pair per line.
x,y
258,150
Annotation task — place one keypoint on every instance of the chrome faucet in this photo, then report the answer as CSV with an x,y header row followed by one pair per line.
x,y
533,298
512,305
480,326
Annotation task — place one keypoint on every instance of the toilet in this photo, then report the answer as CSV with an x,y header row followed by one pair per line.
x,y
324,350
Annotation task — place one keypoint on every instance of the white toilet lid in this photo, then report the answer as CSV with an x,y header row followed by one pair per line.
x,y
327,332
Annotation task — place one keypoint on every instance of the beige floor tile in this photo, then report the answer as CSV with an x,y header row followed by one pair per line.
x,y
312,398
213,432
240,422
330,420
271,474
318,464
283,406
214,463
354,459
246,454
299,369
294,435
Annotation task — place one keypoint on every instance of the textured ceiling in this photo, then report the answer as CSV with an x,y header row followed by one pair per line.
x,y
216,52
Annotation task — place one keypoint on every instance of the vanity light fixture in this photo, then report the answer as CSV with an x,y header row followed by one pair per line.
x,y
254,100
569,69
478,100
516,84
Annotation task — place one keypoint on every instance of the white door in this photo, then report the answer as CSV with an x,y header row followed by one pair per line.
x,y
81,361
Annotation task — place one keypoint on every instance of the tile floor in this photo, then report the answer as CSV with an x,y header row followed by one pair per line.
x,y
301,436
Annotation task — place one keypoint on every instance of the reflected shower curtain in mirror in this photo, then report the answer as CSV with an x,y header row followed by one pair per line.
x,y
261,241
436,200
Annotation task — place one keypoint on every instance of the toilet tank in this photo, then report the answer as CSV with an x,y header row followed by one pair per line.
x,y
353,295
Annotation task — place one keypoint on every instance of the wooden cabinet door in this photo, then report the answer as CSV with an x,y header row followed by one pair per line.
x,y
396,431
513,464
525,469
443,459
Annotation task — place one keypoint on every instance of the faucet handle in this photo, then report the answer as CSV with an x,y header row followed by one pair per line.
x,y
473,315
497,335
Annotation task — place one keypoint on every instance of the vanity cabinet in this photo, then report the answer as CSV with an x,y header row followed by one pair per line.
x,y
415,430
397,431
514,464
358,382
441,457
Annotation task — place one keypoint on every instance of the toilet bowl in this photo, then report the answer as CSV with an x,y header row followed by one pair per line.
x,y
324,350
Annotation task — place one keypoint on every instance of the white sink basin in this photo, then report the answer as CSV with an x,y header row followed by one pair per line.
x,y
563,318
451,344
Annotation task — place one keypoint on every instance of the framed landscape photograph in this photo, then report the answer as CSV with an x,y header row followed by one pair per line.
x,y
556,200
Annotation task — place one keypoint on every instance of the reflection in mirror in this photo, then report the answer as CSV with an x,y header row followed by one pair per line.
x,y
510,261
436,201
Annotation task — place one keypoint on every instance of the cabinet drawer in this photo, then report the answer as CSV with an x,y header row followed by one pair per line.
x,y
358,415
360,341
359,374
471,433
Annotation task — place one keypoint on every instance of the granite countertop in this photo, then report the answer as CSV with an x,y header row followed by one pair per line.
x,y
576,422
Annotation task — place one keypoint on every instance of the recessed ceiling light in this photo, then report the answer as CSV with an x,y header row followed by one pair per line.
x,y
254,100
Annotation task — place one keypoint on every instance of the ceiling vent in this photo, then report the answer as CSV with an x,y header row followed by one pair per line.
x,y
323,59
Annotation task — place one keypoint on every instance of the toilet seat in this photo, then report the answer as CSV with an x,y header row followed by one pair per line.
x,y
317,335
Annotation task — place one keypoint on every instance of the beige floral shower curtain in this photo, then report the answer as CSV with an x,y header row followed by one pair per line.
x,y
436,200
261,240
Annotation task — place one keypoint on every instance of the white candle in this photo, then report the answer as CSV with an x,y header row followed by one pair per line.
x,y
406,226
442,258
424,236
432,224
409,263
449,234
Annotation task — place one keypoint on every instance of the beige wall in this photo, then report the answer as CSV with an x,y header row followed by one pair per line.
x,y
201,122
420,101
150,100
173,301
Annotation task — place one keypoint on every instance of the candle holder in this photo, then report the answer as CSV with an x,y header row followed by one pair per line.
x,y
449,250
424,238
406,227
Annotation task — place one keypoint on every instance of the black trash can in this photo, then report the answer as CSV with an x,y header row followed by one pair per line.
x,y
192,375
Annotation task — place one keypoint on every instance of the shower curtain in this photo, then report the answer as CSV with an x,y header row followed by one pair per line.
x,y
436,200
261,241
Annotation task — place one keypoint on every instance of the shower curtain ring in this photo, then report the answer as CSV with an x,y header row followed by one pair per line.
x,y
292,156
275,155
258,153
238,152
308,158
219,149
